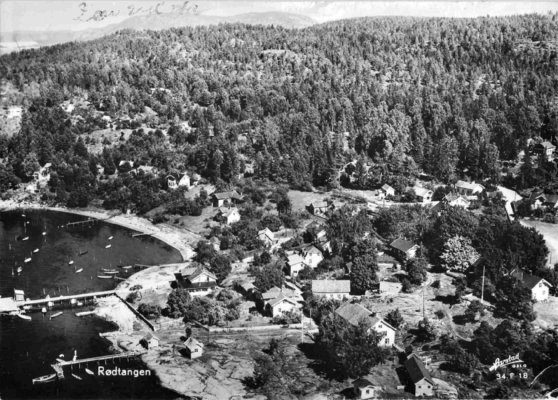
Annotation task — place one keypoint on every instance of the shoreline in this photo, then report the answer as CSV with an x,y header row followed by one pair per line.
x,y
167,234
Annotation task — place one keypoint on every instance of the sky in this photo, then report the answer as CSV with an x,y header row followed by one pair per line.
x,y
77,15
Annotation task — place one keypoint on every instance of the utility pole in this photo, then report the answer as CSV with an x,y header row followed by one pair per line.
x,y
302,326
482,290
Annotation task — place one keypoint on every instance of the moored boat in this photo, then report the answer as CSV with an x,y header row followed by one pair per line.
x,y
110,272
79,303
19,269
127,266
56,314
104,276
70,263
25,238
28,259
25,317
77,377
83,252
108,269
110,238
44,379
36,251
89,371
44,310
107,246
79,270
44,233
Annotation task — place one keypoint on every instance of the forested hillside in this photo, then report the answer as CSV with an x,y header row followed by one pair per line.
x,y
448,97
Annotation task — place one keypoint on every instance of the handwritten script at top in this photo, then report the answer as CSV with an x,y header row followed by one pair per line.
x,y
88,15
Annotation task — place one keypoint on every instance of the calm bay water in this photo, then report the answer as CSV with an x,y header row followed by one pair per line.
x,y
27,348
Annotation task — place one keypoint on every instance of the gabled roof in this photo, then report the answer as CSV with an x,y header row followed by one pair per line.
x,y
227,195
386,187
280,299
274,292
267,232
529,281
546,145
214,239
331,286
230,212
319,204
352,313
422,192
454,197
402,244
310,249
150,336
192,343
199,271
188,271
417,371
295,259
468,185
362,383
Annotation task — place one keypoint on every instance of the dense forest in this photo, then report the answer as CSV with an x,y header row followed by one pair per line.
x,y
448,97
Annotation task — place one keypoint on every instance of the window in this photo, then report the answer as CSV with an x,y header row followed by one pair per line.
x,y
380,326
195,350
429,387
387,340
367,391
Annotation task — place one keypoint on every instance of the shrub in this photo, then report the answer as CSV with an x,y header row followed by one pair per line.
x,y
150,311
289,317
132,297
406,286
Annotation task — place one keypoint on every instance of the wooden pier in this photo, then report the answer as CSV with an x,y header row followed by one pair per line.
x,y
69,297
127,355
87,221
142,266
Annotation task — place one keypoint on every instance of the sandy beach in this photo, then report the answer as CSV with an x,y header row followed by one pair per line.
x,y
181,240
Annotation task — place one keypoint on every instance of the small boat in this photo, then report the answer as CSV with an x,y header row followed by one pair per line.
x,y
73,301
70,263
23,215
108,270
104,276
110,238
19,269
83,252
27,259
79,303
89,371
27,308
107,246
56,314
44,233
127,266
25,238
44,310
25,317
50,304
44,379
79,270
77,377
36,251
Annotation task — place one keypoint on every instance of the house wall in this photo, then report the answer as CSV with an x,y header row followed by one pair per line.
x,y
295,269
337,296
423,388
364,393
281,308
233,218
185,181
313,259
540,293
389,334
195,352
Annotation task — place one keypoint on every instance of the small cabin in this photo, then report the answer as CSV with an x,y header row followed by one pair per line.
x,y
363,389
19,295
150,341
194,348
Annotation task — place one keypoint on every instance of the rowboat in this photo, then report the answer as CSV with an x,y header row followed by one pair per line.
x,y
79,303
83,252
77,377
44,233
70,263
56,314
110,238
27,260
44,310
79,270
110,272
25,317
44,379
89,371
107,246
19,269
25,238
36,251
127,267
104,276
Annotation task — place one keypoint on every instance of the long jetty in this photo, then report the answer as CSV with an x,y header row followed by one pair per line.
x,y
87,221
69,297
127,355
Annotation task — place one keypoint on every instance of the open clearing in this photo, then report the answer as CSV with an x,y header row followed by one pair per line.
x,y
301,200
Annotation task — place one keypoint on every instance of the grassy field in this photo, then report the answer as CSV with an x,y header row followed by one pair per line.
x,y
550,233
301,200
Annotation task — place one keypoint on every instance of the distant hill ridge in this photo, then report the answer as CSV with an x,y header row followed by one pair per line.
x,y
158,22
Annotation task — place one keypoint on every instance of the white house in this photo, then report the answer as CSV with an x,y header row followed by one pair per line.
x,y
121,163
312,255
215,242
174,181
43,175
150,340
468,188
171,182
545,149
197,281
539,287
266,236
282,304
147,170
219,199
363,389
422,382
194,348
332,289
456,200
385,191
423,195
318,208
296,264
184,180
230,215
353,313
404,248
